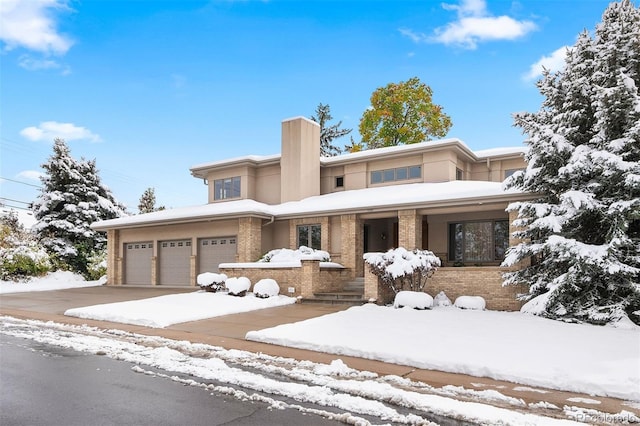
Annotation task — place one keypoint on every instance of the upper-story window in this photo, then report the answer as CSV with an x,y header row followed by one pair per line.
x,y
459,174
509,172
226,188
399,173
339,181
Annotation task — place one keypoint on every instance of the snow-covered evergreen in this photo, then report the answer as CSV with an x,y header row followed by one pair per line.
x,y
71,199
147,203
582,232
328,132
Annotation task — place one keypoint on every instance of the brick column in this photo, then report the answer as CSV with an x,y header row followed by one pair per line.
x,y
309,278
114,271
352,244
409,229
249,239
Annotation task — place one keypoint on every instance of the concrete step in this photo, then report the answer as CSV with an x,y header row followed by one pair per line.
x,y
334,301
342,295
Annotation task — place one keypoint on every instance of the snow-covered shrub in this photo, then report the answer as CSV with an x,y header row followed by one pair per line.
x,y
441,299
413,299
97,265
211,281
238,286
401,269
288,255
265,288
470,302
21,256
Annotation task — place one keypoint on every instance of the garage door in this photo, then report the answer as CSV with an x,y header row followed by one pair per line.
x,y
213,251
137,263
174,257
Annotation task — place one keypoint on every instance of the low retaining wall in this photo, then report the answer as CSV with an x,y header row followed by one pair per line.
x,y
305,280
485,281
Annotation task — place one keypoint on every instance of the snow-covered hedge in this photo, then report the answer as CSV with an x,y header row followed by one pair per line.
x,y
266,288
402,269
413,299
285,255
238,286
470,302
211,281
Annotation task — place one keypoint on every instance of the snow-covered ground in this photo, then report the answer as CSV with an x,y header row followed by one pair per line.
x,y
58,280
508,346
163,311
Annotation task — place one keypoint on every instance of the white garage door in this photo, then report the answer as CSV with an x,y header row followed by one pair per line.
x,y
214,251
137,263
174,257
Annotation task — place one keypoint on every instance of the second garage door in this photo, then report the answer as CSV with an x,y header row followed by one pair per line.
x,y
214,251
175,261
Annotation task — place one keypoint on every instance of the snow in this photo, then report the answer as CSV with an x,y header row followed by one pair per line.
x,y
25,217
412,299
266,287
510,346
441,299
285,255
237,286
208,278
163,311
470,302
58,280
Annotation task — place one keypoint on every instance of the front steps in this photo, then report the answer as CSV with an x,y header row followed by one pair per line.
x,y
351,294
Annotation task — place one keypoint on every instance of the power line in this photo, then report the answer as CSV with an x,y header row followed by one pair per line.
x,y
14,207
23,183
14,201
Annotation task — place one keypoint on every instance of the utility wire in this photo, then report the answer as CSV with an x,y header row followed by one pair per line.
x,y
14,201
17,181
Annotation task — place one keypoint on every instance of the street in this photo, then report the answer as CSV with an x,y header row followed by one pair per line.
x,y
43,384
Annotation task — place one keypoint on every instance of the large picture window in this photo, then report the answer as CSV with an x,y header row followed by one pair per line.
x,y
309,235
226,188
482,241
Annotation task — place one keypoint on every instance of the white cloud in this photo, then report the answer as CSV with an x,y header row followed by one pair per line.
x,y
474,24
49,130
33,64
31,24
553,62
30,175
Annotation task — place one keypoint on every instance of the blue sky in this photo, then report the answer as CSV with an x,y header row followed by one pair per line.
x,y
150,88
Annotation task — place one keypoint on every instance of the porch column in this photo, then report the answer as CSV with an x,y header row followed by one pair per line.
x,y
352,244
409,229
249,239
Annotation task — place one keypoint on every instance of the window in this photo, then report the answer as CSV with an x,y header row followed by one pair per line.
x,y
226,188
459,174
399,173
309,235
509,172
483,241
340,182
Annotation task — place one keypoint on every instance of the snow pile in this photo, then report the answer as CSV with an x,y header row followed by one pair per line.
x,y
413,299
470,302
506,346
266,287
58,280
285,255
238,286
163,311
210,278
441,299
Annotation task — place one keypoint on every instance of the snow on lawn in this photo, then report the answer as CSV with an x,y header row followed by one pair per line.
x,y
58,280
502,345
163,311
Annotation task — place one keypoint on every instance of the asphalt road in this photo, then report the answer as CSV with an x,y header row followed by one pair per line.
x,y
46,385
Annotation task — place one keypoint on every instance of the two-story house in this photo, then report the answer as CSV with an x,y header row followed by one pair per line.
x,y
437,195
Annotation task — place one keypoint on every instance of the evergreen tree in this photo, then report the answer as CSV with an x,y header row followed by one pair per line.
x,y
582,232
328,132
147,203
71,199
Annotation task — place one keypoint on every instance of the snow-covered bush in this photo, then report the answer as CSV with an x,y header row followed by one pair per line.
x,y
21,256
265,288
238,286
211,281
401,269
413,299
441,299
470,302
288,255
97,265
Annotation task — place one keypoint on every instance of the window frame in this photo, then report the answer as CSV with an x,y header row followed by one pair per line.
x,y
396,174
311,240
234,188
339,181
457,250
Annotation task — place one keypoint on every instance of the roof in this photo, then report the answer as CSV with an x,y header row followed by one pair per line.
x,y
415,195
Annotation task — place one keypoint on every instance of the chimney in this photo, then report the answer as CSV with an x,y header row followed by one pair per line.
x,y
300,159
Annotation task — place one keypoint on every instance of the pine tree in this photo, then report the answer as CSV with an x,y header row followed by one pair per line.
x,y
328,132
71,199
147,203
582,232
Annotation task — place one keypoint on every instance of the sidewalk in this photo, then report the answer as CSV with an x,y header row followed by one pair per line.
x,y
229,331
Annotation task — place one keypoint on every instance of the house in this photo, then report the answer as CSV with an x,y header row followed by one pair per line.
x,y
437,195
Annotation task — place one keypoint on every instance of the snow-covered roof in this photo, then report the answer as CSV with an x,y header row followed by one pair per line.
x,y
361,200
385,152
